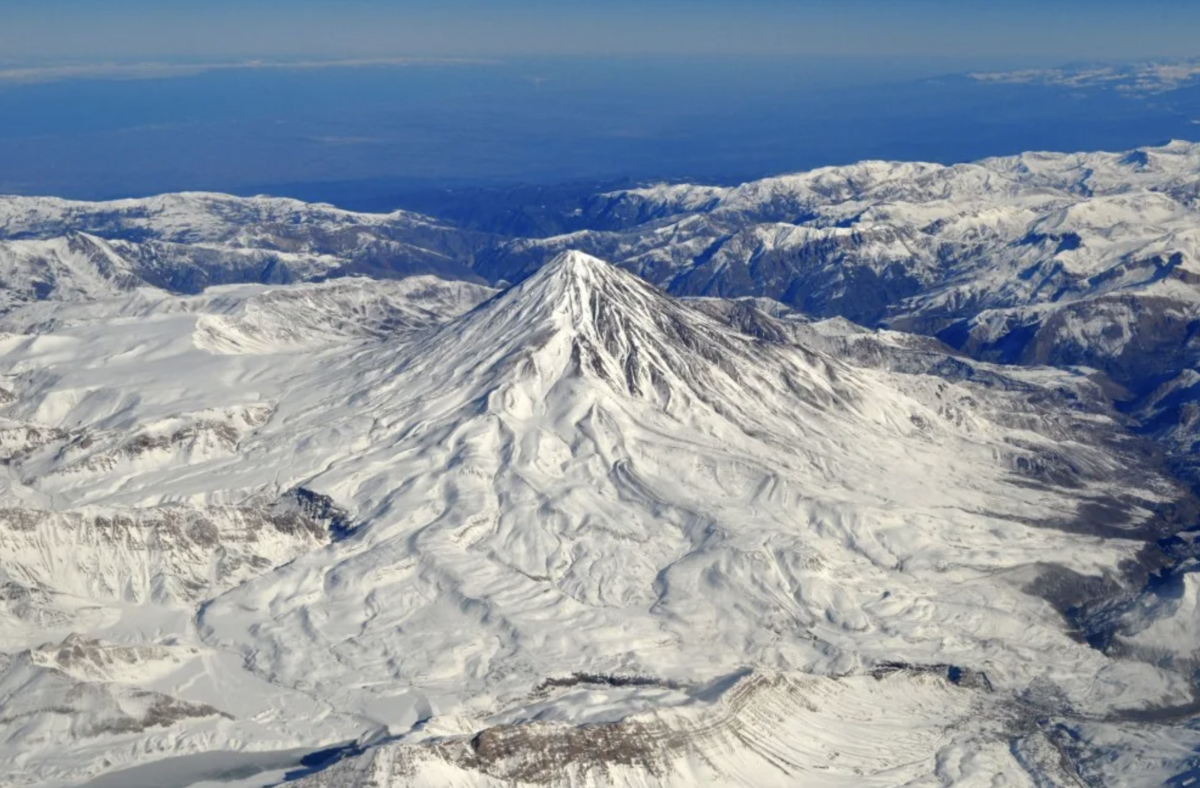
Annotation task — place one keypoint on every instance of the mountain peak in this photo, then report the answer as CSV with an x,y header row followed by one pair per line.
x,y
580,317
576,288
576,263
573,266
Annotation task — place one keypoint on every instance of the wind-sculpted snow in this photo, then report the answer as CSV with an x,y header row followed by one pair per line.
x,y
150,387
1041,258
165,555
582,475
87,685
582,533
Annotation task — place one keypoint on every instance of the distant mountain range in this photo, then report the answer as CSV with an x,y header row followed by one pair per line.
x,y
1150,78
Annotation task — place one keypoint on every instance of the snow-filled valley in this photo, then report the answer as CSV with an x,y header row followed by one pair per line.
x,y
293,494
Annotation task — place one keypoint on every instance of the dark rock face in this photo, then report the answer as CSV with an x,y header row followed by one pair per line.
x,y
1153,337
305,510
816,280
1146,345
955,674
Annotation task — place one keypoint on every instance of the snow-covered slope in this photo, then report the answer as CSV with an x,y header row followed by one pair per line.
x,y
583,533
64,250
1043,258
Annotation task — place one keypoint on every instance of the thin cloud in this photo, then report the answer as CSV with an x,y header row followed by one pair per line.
x,y
123,71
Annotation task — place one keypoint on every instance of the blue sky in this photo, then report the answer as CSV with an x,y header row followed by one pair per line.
x,y
1048,30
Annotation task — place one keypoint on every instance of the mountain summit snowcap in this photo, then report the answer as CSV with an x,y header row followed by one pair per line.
x,y
574,264
580,317
572,278
574,293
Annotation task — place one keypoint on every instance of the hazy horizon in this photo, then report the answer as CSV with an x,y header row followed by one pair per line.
x,y
224,29
364,134
366,100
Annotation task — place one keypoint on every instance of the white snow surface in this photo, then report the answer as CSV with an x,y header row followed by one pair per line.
x,y
581,519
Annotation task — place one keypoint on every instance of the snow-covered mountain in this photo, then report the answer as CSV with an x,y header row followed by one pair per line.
x,y
1062,259
277,478
1136,79
63,250
890,241
576,532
